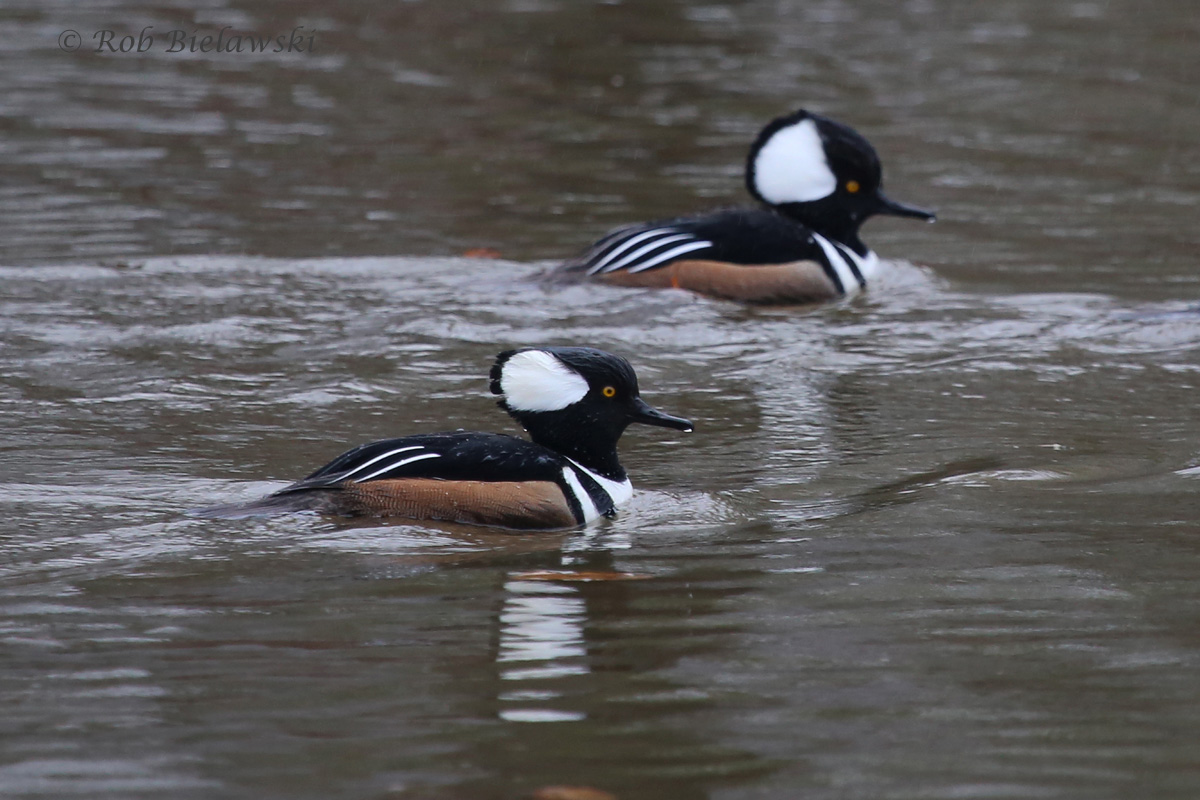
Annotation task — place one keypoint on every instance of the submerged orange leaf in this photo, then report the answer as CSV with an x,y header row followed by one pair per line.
x,y
573,575
572,793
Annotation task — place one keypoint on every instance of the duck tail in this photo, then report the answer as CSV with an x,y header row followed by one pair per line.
x,y
268,506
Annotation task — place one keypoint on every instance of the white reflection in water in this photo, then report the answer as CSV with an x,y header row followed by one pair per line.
x,y
576,548
541,629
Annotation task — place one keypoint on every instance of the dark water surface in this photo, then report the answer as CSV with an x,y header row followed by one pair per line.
x,y
940,541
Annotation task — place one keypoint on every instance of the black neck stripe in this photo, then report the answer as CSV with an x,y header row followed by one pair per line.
x,y
831,273
851,262
601,499
572,501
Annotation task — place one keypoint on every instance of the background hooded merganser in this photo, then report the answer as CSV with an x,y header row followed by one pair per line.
x,y
934,541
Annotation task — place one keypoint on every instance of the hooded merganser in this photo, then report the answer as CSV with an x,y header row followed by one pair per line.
x,y
575,402
817,181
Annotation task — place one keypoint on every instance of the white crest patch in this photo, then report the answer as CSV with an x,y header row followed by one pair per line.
x,y
538,381
791,167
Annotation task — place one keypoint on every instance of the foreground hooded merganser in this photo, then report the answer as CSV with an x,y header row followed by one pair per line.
x,y
575,402
816,180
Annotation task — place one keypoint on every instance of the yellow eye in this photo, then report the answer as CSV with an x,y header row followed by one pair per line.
x,y
852,187
609,391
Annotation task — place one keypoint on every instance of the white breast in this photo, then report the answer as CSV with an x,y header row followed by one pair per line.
x,y
840,258
620,492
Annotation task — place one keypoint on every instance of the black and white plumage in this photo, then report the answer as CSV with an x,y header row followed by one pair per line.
x,y
635,248
575,403
742,236
468,456
816,180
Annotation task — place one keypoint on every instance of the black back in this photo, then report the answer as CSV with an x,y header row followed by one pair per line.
x,y
734,235
459,455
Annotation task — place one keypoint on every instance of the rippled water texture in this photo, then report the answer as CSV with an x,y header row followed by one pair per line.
x,y
936,542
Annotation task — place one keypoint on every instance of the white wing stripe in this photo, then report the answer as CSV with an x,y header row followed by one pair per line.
x,y
650,248
628,243
399,464
361,467
667,256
